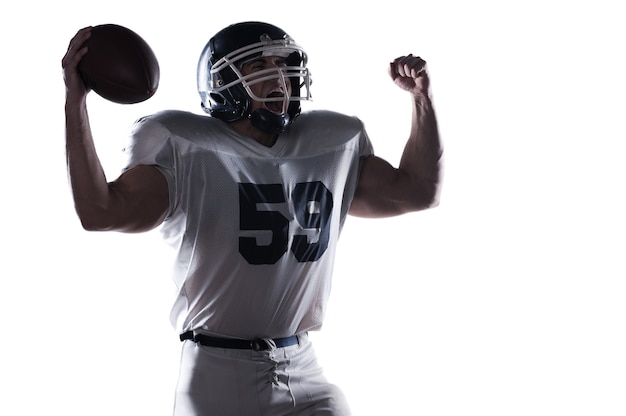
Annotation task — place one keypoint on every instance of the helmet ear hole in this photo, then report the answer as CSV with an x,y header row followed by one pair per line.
x,y
218,98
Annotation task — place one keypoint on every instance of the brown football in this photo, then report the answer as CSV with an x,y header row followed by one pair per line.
x,y
119,65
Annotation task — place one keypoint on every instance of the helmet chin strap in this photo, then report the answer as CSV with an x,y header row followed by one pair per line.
x,y
269,122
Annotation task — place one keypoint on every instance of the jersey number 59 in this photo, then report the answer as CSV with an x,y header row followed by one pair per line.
x,y
313,206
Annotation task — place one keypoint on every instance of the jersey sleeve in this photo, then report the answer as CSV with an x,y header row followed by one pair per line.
x,y
365,145
152,144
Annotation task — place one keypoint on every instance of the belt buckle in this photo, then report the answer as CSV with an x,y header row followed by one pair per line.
x,y
259,344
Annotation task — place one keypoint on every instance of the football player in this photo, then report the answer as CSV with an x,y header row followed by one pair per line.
x,y
253,197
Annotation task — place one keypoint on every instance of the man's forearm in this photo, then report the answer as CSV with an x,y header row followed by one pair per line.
x,y
87,178
421,159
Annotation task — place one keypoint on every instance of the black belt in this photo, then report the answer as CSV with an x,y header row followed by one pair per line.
x,y
258,344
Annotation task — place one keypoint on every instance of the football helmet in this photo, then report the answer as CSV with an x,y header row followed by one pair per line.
x,y
225,92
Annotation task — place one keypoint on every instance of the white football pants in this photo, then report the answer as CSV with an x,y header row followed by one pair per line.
x,y
278,382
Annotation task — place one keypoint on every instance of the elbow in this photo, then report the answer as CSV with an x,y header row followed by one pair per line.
x,y
435,196
429,189
423,190
93,220
425,196
93,224
425,201
104,221
432,202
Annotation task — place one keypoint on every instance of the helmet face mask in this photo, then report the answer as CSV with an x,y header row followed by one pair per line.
x,y
226,92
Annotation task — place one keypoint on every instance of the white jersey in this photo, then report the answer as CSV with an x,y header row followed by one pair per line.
x,y
255,227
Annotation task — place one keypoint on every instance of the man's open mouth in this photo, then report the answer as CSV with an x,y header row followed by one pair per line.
x,y
276,106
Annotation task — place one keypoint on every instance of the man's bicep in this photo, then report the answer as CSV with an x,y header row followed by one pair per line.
x,y
141,199
377,184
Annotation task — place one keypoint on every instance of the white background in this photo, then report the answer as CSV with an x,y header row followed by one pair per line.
x,y
508,299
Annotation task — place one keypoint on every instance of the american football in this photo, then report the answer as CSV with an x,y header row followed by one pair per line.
x,y
119,65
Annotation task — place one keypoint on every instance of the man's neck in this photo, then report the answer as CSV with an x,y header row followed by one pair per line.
x,y
245,128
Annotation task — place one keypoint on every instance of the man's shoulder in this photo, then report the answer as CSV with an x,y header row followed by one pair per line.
x,y
178,117
323,131
328,117
327,126
180,124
